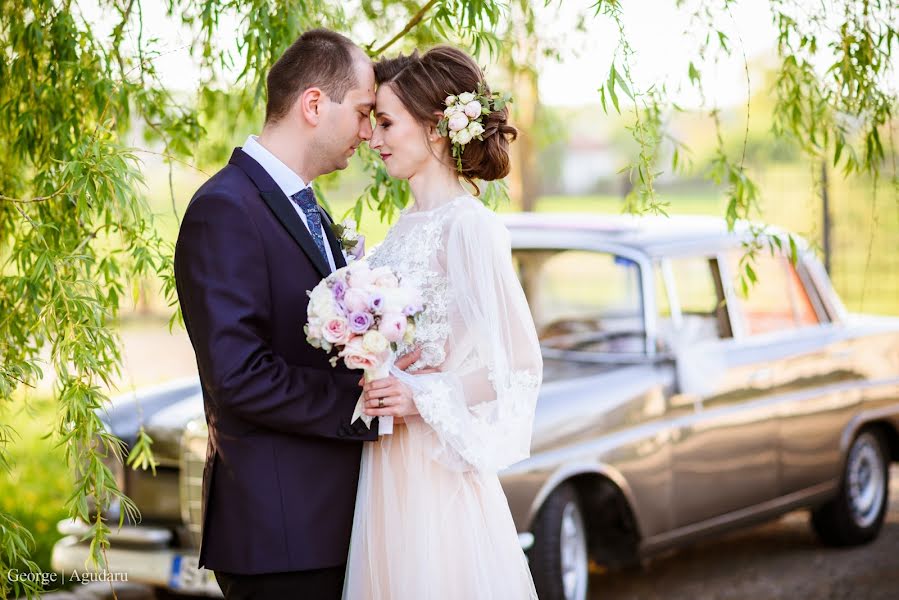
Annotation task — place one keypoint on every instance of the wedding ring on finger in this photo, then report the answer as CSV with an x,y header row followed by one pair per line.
x,y
381,403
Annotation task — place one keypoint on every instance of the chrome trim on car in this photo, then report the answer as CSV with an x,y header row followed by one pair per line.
x,y
774,506
526,540
127,534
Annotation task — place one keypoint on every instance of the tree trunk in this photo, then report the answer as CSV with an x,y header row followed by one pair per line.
x,y
524,181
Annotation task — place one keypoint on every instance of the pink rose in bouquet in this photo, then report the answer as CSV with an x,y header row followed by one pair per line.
x,y
364,314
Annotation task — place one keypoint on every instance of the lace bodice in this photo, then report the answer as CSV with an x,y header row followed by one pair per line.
x,y
476,329
413,248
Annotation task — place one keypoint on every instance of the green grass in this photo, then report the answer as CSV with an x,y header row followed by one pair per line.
x,y
36,490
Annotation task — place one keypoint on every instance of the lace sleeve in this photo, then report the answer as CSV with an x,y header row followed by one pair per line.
x,y
481,404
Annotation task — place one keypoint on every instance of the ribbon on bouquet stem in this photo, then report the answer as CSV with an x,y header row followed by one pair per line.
x,y
385,424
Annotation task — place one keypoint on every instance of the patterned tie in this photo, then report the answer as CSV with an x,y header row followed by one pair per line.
x,y
305,198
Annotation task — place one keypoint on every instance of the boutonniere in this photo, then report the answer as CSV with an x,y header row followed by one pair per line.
x,y
350,239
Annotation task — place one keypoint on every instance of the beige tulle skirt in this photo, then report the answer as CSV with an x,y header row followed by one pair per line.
x,y
425,531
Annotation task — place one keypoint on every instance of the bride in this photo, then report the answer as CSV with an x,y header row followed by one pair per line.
x,y
432,521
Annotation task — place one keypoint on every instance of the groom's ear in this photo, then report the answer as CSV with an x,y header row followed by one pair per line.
x,y
310,105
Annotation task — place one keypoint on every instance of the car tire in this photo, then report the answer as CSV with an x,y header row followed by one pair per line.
x,y
856,514
558,559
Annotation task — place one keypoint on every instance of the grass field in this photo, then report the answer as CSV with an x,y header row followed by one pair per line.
x,y
36,489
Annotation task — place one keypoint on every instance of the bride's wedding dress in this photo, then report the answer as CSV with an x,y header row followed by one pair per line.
x,y
432,521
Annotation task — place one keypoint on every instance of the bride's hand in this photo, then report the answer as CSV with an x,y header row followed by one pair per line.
x,y
388,397
404,362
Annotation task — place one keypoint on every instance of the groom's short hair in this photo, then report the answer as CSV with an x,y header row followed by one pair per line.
x,y
318,58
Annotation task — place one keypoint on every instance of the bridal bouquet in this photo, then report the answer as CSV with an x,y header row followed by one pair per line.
x,y
364,313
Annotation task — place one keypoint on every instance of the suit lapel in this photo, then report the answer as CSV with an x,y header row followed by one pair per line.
x,y
282,208
336,248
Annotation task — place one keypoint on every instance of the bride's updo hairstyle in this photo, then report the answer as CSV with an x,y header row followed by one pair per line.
x,y
422,84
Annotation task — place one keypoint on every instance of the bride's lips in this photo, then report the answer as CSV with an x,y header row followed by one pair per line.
x,y
384,157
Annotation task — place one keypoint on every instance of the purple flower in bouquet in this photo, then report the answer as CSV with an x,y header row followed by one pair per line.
x,y
360,321
338,288
376,302
412,309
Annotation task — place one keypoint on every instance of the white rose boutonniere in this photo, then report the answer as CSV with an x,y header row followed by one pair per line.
x,y
350,239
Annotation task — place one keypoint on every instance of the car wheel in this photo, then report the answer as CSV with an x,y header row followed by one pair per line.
x,y
558,558
856,515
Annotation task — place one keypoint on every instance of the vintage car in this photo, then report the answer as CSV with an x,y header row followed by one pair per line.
x,y
672,408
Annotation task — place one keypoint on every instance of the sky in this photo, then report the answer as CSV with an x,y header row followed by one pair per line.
x,y
663,48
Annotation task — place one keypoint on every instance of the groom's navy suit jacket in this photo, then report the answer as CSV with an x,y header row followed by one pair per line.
x,y
282,465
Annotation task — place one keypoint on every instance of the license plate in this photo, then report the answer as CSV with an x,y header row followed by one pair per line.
x,y
186,576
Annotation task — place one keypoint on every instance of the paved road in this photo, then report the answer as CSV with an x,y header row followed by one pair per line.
x,y
778,561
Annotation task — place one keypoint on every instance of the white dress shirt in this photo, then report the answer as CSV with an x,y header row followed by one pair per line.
x,y
289,182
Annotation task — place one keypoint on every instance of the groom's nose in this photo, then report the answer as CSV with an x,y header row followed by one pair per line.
x,y
365,131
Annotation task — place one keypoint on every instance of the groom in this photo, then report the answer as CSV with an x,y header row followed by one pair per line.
x,y
282,463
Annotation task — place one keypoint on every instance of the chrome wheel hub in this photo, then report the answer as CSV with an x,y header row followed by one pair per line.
x,y
573,553
865,472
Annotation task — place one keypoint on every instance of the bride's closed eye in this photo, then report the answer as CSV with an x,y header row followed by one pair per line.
x,y
384,124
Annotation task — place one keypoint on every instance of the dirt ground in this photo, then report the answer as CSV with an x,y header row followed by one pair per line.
x,y
779,561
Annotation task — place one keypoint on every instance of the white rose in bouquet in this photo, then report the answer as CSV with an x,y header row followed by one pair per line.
x,y
374,342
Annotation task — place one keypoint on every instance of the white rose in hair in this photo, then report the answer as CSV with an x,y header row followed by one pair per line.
x,y
450,100
451,110
473,109
458,122
466,97
463,137
475,129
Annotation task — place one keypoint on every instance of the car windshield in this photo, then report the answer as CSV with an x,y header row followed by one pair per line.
x,y
585,301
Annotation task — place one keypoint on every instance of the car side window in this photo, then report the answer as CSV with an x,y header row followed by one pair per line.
x,y
778,300
690,301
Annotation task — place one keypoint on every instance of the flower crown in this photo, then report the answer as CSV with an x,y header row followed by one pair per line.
x,y
461,120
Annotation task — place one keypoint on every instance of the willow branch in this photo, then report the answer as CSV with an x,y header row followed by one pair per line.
x,y
35,199
415,20
171,157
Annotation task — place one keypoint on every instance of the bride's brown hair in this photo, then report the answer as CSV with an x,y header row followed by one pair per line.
x,y
422,84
